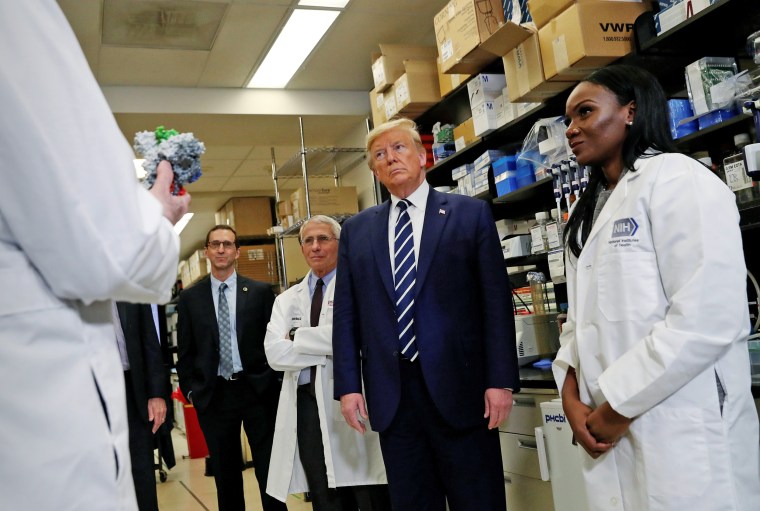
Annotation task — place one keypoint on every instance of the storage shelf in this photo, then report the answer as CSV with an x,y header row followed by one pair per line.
x,y
700,138
322,162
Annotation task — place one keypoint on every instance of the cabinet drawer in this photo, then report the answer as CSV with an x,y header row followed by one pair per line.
x,y
526,493
519,454
526,413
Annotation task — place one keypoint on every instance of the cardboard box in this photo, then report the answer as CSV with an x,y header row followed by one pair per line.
x,y
325,201
377,104
249,216
460,27
284,208
525,74
198,264
464,134
388,65
542,11
449,82
517,246
258,262
417,89
184,273
587,36
389,102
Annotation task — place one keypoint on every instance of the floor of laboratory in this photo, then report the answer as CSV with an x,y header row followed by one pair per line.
x,y
187,489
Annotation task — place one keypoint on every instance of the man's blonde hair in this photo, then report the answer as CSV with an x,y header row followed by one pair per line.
x,y
402,124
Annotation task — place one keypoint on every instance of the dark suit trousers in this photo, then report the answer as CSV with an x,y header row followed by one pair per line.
x,y
233,403
428,462
312,454
141,452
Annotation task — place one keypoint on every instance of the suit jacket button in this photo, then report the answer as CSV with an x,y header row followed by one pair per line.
x,y
395,353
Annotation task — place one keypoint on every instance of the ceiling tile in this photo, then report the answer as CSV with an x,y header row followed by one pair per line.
x,y
218,168
140,66
207,184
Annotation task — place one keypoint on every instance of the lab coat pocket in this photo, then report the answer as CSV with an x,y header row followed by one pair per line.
x,y
675,452
629,286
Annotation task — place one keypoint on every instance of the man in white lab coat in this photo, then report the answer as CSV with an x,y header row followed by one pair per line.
x,y
314,449
76,231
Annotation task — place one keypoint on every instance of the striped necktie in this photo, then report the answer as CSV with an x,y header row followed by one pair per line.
x,y
404,277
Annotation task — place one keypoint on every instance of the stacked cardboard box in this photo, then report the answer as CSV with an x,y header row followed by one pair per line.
x,y
325,201
258,262
249,216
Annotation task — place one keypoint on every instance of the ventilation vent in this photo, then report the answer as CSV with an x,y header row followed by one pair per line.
x,y
162,24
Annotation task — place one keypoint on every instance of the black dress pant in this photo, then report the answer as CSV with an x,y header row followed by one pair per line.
x,y
429,463
141,452
234,402
311,451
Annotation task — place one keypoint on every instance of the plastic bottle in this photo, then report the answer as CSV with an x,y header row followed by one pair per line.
x,y
554,231
736,175
538,233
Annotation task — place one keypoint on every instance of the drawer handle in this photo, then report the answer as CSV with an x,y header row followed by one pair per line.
x,y
527,444
525,401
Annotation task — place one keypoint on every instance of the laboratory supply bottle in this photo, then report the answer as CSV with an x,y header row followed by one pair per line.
x,y
538,233
736,175
554,231
536,279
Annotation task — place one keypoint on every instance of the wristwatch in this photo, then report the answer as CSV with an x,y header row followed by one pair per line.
x,y
292,333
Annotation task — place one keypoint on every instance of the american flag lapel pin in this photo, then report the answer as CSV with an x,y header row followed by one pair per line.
x,y
441,212
245,289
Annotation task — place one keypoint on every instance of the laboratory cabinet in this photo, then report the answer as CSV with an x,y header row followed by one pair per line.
x,y
519,451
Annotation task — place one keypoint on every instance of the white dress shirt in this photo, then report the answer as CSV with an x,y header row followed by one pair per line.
x,y
416,212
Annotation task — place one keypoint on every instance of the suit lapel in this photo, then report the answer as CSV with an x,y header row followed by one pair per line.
x,y
380,247
207,304
437,213
243,292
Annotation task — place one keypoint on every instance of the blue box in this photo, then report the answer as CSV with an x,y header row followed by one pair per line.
x,y
716,117
678,110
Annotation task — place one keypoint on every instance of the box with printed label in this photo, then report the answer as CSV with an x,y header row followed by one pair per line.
x,y
198,265
484,118
377,104
460,27
587,36
525,74
389,102
461,171
417,89
388,65
485,87
487,158
516,246
542,11
447,82
464,134
676,13
258,262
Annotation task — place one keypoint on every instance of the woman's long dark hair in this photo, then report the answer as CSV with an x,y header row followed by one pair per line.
x,y
650,129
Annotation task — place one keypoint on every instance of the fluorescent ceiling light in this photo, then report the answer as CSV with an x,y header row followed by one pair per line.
x,y
182,222
299,36
336,4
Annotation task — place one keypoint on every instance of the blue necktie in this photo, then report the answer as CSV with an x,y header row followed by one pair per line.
x,y
225,335
404,277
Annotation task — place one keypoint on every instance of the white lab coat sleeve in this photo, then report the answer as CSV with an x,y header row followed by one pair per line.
x,y
279,350
567,356
697,243
69,187
316,340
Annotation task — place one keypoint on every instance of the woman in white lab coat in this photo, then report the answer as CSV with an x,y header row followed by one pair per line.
x,y
76,230
654,369
351,459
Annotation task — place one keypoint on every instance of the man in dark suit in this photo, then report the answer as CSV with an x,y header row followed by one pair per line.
x,y
147,387
423,318
223,370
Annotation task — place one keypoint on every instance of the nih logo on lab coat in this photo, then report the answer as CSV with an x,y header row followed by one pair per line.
x,y
625,227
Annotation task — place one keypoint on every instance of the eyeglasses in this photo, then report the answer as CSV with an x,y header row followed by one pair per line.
x,y
321,240
228,245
